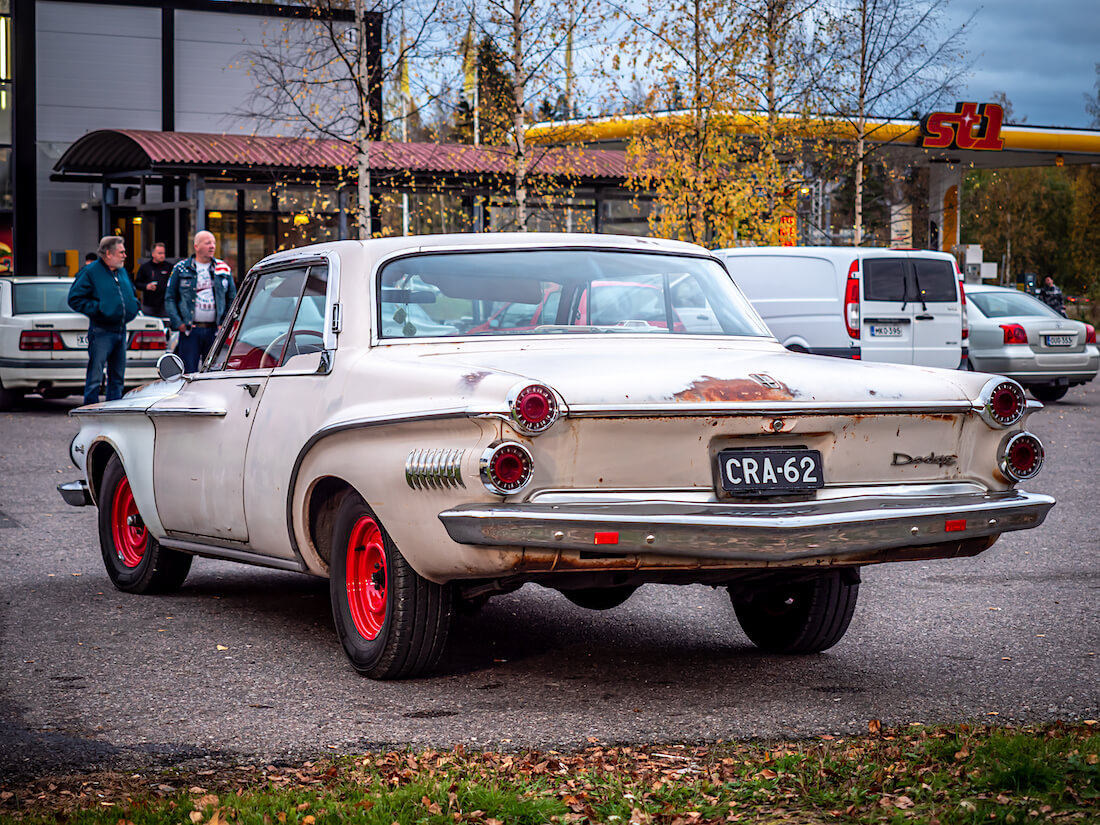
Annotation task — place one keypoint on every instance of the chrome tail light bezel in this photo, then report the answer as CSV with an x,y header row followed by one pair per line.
x,y
487,467
519,394
1008,469
990,398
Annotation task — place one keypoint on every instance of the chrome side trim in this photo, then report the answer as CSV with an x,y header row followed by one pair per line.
x,y
95,409
434,468
759,533
196,548
182,412
768,408
355,424
76,493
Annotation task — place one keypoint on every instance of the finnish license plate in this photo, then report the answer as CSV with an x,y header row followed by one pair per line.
x,y
755,472
1059,340
887,331
82,341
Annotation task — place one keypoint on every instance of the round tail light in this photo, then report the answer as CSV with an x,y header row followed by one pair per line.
x,y
1005,403
506,468
1022,456
534,408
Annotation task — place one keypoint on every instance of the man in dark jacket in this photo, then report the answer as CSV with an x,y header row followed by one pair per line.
x,y
200,290
151,278
102,291
1051,295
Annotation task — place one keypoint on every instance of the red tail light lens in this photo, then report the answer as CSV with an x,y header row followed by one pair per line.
x,y
1006,403
40,339
851,301
1022,457
148,339
1090,334
506,468
534,408
965,315
1014,334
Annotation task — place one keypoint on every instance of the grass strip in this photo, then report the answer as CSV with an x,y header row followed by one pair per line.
x,y
942,776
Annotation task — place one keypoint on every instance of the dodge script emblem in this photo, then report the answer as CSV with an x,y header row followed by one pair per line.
x,y
901,459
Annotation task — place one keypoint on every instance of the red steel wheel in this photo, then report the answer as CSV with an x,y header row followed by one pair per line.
x,y
366,577
392,623
129,530
134,559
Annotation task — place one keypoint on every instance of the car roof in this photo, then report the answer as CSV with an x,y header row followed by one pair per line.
x,y
36,279
377,248
839,255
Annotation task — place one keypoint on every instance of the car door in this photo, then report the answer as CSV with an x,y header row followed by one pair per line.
x,y
203,431
887,315
937,318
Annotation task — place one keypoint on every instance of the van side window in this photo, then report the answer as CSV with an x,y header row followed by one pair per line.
x,y
935,279
884,279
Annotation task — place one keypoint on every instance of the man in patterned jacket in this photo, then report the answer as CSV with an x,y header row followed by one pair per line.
x,y
200,290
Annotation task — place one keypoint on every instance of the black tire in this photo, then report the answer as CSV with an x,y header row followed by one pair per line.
x,y
600,598
392,622
1049,394
135,561
800,615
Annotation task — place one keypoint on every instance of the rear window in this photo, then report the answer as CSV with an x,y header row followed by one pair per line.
x,y
884,279
1010,304
36,299
935,279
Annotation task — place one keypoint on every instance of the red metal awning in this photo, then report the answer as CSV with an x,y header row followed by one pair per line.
x,y
115,152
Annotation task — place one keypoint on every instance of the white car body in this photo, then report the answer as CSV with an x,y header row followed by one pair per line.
x,y
57,372
404,448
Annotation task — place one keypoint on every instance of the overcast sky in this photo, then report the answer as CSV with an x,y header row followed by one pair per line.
x,y
1041,53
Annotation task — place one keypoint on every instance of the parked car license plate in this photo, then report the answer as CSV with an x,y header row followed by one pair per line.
x,y
1059,340
770,471
885,331
82,341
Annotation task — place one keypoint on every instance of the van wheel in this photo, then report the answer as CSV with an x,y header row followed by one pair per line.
x,y
392,622
799,615
1049,394
600,598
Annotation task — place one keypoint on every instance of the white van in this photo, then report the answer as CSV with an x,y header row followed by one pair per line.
x,y
900,306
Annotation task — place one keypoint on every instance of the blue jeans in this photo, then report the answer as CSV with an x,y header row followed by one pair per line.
x,y
106,347
193,346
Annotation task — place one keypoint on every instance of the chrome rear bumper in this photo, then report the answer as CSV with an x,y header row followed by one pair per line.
x,y
830,530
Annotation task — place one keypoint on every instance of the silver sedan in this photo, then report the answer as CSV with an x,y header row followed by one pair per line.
x,y
1018,336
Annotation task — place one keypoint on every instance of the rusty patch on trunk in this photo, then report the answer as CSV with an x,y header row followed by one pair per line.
x,y
712,389
472,379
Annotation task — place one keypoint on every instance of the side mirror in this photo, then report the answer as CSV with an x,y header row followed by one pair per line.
x,y
169,366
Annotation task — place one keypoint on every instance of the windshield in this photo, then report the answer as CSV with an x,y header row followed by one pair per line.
x,y
35,299
1009,304
556,291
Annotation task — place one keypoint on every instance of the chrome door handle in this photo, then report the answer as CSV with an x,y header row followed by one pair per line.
x,y
252,388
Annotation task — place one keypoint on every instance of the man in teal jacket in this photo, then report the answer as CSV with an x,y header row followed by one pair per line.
x,y
103,291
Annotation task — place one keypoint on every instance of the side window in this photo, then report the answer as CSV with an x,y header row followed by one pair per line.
x,y
884,279
935,279
308,333
258,335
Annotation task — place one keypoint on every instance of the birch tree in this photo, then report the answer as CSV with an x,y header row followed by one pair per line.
x,y
322,77
887,59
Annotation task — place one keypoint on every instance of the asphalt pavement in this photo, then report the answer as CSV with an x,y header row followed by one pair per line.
x,y
242,665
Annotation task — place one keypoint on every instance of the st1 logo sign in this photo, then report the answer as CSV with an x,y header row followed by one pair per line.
x,y
970,126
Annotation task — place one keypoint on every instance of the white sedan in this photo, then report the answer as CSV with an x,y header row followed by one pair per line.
x,y
44,344
358,417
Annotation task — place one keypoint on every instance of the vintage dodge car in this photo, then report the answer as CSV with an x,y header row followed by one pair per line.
x,y
367,414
